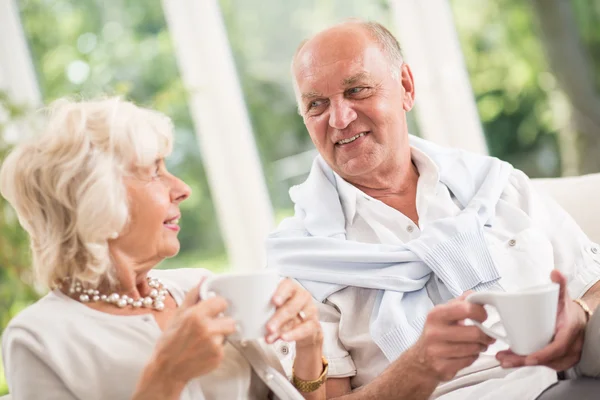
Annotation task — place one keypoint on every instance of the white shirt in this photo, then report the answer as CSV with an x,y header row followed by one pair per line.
x,y
61,349
529,236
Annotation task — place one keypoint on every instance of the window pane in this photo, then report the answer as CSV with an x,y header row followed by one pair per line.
x,y
264,35
516,94
86,48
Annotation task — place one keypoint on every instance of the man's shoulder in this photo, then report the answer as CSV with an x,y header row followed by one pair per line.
x,y
290,227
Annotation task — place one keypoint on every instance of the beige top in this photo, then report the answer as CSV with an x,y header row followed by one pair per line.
x,y
529,236
61,349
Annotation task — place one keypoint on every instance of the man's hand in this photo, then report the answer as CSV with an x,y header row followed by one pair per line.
x,y
446,345
565,349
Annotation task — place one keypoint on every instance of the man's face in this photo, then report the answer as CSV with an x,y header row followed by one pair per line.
x,y
353,103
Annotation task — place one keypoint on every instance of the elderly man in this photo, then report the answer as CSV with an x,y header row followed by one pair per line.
x,y
390,231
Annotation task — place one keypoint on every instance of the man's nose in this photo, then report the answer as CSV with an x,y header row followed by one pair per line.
x,y
341,114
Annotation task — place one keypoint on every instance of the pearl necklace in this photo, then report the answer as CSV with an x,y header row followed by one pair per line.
x,y
155,299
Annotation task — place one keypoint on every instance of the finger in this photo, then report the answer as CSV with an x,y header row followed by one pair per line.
x,y
557,277
286,289
556,349
503,354
457,311
464,334
218,339
212,307
288,311
193,296
302,331
291,324
463,296
222,326
510,360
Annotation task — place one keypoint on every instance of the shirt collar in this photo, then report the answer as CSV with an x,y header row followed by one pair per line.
x,y
428,178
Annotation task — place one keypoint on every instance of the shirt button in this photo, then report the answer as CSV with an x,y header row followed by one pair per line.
x,y
269,376
285,349
244,343
410,228
595,250
512,242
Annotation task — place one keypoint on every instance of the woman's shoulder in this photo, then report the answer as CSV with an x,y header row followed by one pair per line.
x,y
50,316
47,310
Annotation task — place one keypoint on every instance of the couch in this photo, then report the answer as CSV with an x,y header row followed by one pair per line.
x,y
576,194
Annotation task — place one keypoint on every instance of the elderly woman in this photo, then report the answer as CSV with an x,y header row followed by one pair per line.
x,y
102,211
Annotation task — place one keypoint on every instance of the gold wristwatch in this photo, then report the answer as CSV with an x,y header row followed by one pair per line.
x,y
311,386
586,309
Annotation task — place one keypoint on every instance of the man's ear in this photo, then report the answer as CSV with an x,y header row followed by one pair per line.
x,y
408,83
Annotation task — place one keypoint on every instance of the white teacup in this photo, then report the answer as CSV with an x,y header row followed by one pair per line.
x,y
249,295
528,316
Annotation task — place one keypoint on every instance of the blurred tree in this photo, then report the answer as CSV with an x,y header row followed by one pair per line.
x,y
263,54
514,89
523,105
88,48
16,280
573,67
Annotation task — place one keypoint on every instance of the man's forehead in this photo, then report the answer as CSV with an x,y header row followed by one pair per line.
x,y
313,84
315,63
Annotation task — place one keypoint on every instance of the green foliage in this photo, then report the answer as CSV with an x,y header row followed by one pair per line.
x,y
16,289
15,273
587,14
519,103
88,48
511,82
264,35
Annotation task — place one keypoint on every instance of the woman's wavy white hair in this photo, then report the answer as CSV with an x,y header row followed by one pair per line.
x,y
67,186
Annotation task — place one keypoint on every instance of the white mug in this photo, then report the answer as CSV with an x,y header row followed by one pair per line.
x,y
528,316
249,295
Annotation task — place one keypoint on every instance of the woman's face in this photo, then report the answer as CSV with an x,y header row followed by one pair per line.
x,y
151,232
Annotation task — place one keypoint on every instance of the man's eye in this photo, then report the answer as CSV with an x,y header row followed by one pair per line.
x,y
355,90
315,103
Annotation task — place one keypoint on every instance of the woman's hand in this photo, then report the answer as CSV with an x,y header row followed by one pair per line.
x,y
296,318
191,346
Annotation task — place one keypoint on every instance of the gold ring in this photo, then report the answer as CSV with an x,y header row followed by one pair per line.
x,y
302,315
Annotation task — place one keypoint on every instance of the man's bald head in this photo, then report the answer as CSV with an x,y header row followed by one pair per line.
x,y
374,31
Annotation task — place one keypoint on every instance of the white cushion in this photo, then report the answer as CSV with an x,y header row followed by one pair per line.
x,y
579,196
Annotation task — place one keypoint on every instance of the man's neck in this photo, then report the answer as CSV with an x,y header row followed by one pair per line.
x,y
396,187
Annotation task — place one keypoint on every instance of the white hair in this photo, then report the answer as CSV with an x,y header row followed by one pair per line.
x,y
67,187
381,35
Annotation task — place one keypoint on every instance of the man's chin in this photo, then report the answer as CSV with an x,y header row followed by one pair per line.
x,y
355,167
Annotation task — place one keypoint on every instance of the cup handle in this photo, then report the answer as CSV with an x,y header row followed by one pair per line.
x,y
205,292
483,298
